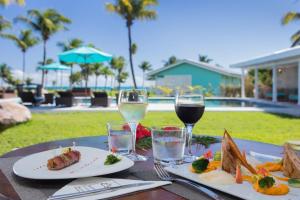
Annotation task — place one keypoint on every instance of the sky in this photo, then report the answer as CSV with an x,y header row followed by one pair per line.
x,y
228,31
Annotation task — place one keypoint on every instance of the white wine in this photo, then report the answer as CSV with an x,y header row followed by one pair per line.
x,y
133,111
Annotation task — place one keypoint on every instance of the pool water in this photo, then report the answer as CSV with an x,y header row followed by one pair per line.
x,y
209,102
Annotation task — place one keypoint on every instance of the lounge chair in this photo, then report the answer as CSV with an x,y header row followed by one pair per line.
x,y
100,99
65,99
29,97
49,98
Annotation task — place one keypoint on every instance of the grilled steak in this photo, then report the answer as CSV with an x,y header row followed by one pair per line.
x,y
63,160
291,162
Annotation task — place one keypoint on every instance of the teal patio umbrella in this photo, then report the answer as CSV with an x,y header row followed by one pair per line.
x,y
56,66
84,55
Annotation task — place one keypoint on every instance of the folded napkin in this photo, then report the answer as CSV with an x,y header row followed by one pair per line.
x,y
99,182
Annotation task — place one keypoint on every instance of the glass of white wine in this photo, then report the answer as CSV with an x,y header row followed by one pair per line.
x,y
133,105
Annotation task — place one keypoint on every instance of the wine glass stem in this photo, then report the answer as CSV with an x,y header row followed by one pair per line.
x,y
133,127
189,129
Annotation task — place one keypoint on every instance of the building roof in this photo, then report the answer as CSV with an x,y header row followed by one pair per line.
x,y
203,65
278,57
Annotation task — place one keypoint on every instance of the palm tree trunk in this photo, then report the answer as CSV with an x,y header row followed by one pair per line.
x,y
96,82
44,61
105,83
143,78
24,61
71,73
130,56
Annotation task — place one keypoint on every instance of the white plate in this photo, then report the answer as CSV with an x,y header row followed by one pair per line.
x,y
91,164
244,191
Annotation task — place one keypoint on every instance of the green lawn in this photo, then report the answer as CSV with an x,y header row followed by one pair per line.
x,y
257,126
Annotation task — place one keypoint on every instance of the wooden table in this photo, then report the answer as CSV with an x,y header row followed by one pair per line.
x,y
101,142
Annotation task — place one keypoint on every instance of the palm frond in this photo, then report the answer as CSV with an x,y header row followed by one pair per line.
x,y
27,21
295,38
149,3
147,14
289,17
110,7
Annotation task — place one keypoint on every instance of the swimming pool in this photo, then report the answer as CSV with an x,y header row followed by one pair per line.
x,y
209,102
220,102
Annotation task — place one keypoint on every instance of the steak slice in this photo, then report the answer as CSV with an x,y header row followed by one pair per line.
x,y
231,155
291,162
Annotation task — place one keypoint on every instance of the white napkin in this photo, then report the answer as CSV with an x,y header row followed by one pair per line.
x,y
99,182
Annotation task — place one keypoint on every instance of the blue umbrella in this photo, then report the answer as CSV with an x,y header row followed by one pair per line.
x,y
84,55
55,67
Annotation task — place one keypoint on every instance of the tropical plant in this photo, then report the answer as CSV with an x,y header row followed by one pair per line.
x,y
118,64
86,72
145,66
122,77
4,25
97,70
171,60
165,90
204,58
28,81
5,72
75,78
46,23
291,17
69,45
131,10
106,72
25,41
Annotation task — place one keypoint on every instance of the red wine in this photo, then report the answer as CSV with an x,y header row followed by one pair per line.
x,y
189,113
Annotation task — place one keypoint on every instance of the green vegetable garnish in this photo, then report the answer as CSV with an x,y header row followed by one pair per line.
x,y
111,159
266,182
205,140
294,182
217,156
200,165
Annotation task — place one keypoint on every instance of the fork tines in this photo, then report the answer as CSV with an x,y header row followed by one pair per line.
x,y
161,172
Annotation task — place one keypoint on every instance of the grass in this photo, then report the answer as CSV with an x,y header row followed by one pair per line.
x,y
264,127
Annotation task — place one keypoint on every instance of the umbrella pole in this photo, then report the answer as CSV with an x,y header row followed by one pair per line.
x,y
61,79
56,79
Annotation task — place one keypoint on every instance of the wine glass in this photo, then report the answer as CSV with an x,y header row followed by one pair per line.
x,y
189,107
133,105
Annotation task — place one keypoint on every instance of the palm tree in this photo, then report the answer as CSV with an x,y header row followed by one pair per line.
x,y
106,72
172,60
86,71
5,73
132,10
118,64
25,41
46,23
204,58
97,69
122,77
145,66
76,78
4,24
69,45
291,17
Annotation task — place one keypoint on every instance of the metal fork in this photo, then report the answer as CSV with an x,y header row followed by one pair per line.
x,y
164,175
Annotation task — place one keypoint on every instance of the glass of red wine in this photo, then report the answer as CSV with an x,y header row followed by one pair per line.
x,y
189,107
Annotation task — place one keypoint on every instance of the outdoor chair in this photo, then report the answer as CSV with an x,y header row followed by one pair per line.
x,y
65,99
100,99
29,97
49,98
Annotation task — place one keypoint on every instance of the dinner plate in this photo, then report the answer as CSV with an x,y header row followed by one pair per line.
x,y
244,190
91,164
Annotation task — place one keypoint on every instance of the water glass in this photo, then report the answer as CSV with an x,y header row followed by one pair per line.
x,y
168,144
119,138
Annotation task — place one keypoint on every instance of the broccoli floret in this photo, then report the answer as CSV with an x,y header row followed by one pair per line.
x,y
111,159
200,165
266,182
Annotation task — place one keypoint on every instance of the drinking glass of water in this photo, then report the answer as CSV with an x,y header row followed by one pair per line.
x,y
119,138
168,144
189,107
133,105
